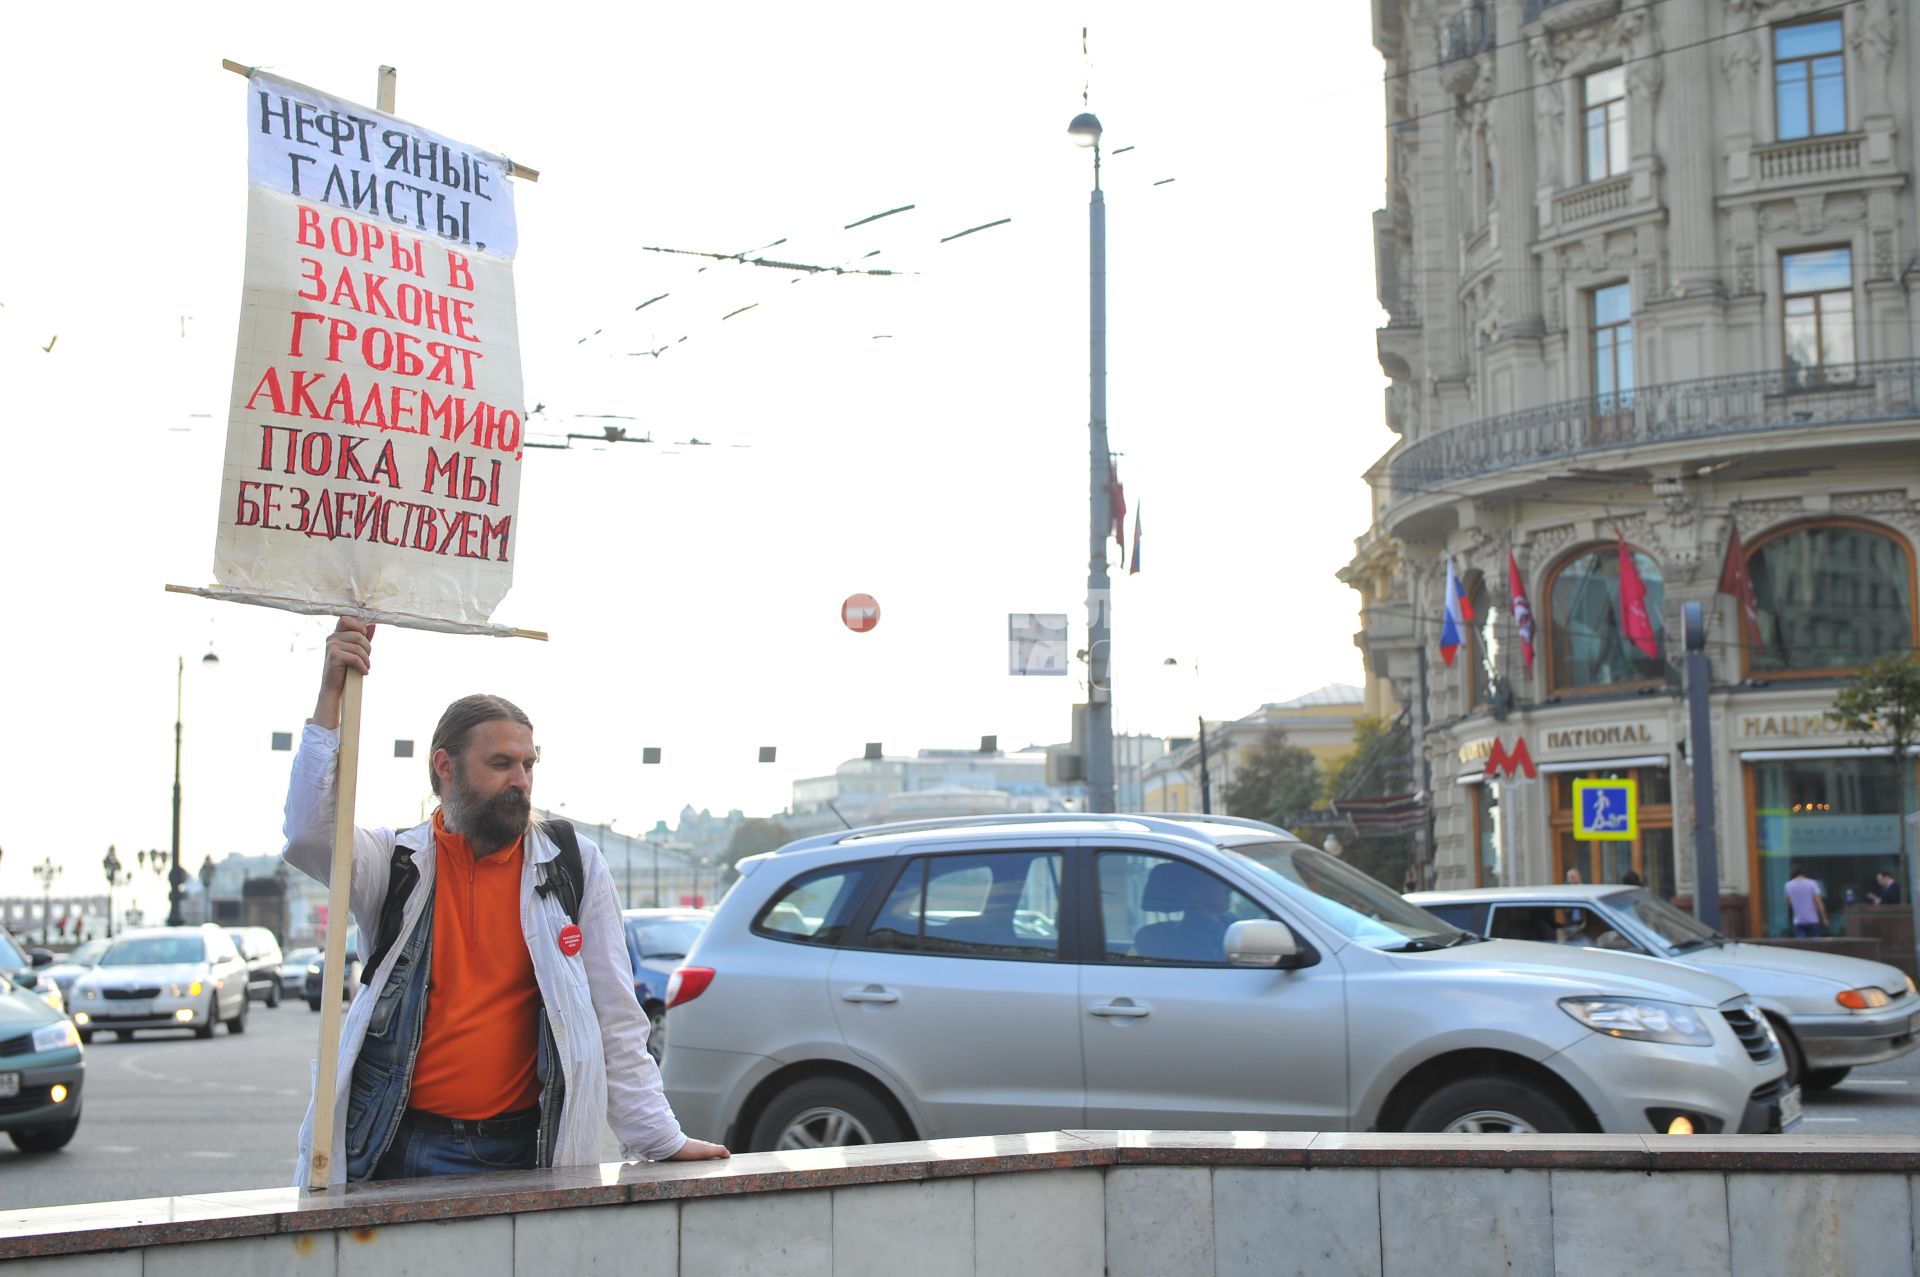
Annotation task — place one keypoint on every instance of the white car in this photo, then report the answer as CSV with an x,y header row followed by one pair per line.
x,y
163,978
1830,1012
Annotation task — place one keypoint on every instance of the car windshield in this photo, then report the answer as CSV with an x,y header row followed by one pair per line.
x,y
1358,907
301,956
11,959
140,951
1678,930
89,953
665,937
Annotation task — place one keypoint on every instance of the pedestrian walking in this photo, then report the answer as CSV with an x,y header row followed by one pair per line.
x,y
1806,904
532,1037
1887,892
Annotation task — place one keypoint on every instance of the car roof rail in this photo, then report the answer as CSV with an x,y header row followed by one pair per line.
x,y
1155,822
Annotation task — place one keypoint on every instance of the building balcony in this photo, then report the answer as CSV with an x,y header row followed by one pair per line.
x,y
1781,400
1811,159
1595,199
1564,14
1466,32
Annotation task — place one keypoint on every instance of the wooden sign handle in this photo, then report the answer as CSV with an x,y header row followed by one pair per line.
x,y
339,920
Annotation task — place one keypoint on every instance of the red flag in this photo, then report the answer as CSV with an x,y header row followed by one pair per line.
x,y
1734,580
1117,500
1635,624
1522,610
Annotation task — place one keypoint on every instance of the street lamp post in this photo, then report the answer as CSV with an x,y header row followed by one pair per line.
x,y
116,877
176,876
1206,778
1085,131
46,871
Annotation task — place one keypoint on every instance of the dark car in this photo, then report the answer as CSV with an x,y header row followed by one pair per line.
x,y
350,977
658,940
261,952
41,1065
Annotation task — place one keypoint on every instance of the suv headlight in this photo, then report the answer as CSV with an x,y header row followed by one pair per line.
x,y
50,993
1868,999
55,1037
1640,1018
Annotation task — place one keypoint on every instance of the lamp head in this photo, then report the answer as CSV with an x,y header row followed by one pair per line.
x,y
1085,129
211,658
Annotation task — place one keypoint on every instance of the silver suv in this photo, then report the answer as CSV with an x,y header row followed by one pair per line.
x,y
1005,974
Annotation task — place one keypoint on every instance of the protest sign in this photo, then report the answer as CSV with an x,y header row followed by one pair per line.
x,y
375,431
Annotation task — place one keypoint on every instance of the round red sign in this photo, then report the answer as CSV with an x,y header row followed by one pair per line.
x,y
571,939
860,612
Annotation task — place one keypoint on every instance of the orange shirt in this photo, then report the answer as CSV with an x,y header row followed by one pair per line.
x,y
482,1036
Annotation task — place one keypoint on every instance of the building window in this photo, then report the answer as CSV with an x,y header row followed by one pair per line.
x,y
1809,79
1832,598
1588,650
1837,818
1818,291
1486,834
1604,98
1483,644
1611,319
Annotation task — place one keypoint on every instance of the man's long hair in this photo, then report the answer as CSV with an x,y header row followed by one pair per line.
x,y
461,717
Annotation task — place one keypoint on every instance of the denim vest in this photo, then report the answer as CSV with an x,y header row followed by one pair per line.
x,y
383,1071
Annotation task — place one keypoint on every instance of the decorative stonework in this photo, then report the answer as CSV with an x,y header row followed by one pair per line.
x,y
1888,501
1882,253
1545,545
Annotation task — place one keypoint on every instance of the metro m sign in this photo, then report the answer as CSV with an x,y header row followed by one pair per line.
x,y
1502,762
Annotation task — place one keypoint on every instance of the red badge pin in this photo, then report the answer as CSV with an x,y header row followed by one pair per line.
x,y
571,939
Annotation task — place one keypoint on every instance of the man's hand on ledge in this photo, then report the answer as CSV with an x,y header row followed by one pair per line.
x,y
699,1151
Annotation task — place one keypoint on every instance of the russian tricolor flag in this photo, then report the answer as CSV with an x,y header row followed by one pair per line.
x,y
1457,614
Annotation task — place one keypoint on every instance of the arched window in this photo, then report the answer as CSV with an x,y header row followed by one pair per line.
x,y
1832,596
1587,649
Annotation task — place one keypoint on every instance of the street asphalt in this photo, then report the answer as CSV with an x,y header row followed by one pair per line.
x,y
168,1115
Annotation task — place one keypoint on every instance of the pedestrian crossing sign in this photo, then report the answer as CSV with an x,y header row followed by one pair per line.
x,y
1608,810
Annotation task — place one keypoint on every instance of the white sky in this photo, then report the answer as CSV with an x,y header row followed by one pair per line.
x,y
693,594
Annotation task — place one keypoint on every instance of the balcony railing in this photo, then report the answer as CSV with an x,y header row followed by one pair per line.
x,y
1467,32
1814,157
1608,195
1537,7
1790,399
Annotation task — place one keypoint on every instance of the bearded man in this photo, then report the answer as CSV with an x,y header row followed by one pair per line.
x,y
492,1030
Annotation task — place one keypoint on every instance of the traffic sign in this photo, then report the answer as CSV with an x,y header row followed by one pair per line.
x,y
860,612
1607,810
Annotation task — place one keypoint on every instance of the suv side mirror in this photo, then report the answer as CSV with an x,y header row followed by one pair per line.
x,y
40,957
1261,942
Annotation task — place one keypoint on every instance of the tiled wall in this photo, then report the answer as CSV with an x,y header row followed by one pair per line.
x,y
1135,1221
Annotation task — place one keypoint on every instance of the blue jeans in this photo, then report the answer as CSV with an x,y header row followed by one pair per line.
x,y
1805,930
415,1152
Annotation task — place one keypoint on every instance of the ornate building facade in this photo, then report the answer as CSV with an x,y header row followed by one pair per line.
x,y
1649,268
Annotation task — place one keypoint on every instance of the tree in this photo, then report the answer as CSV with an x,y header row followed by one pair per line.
x,y
1274,781
1883,702
1348,776
753,836
1377,768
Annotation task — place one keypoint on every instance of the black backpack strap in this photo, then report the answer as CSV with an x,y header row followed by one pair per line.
x,y
402,876
564,875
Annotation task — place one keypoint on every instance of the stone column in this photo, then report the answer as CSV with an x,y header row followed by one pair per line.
x,y
1513,123
1687,151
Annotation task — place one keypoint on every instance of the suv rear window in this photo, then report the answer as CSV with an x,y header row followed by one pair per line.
x,y
816,907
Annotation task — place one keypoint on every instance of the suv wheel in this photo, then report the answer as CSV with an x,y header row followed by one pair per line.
x,y
1490,1106
1790,1052
823,1112
238,1024
273,995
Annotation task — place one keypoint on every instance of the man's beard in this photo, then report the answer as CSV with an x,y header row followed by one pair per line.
x,y
489,823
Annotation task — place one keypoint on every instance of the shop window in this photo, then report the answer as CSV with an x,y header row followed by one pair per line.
x,y
1838,818
1596,860
1809,80
1486,834
1832,597
1587,648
